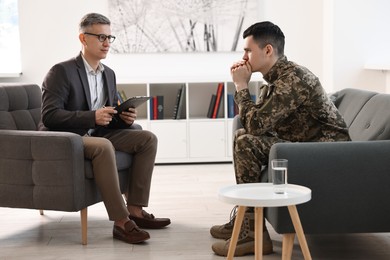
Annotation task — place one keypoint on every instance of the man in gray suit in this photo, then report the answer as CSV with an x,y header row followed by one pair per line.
x,y
79,96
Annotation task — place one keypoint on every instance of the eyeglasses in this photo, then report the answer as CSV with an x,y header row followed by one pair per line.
x,y
103,37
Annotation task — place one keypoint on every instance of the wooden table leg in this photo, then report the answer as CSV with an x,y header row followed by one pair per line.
x,y
236,231
258,233
299,231
287,245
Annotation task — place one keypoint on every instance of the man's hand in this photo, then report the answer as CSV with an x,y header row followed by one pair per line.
x,y
103,116
129,116
241,72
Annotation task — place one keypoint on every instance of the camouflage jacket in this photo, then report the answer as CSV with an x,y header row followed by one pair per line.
x,y
293,107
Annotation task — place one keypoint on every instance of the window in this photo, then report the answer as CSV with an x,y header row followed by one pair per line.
x,y
10,65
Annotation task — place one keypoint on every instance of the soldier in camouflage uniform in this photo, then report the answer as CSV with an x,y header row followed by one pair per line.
x,y
292,107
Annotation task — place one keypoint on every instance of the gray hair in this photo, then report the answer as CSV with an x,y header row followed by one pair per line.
x,y
91,19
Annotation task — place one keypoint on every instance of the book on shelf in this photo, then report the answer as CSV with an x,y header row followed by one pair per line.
x,y
157,107
177,110
218,100
211,106
151,105
160,107
232,110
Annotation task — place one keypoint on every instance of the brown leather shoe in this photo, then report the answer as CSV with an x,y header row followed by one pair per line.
x,y
132,234
149,221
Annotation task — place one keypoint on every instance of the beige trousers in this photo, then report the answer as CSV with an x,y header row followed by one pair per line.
x,y
101,150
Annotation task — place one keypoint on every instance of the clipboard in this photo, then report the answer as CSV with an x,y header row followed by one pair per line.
x,y
132,102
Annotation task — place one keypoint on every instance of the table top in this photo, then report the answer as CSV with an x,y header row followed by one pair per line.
x,y
262,195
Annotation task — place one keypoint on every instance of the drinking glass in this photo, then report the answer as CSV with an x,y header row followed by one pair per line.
x,y
279,175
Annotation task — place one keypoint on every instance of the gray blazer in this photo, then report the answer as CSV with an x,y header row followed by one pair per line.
x,y
66,99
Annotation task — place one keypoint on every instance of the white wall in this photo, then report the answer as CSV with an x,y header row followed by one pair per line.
x,y
301,22
361,35
334,39
49,33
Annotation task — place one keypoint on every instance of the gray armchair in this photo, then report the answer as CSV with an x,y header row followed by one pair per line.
x,y
44,170
349,180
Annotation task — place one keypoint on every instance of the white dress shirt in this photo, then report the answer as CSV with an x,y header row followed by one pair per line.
x,y
96,85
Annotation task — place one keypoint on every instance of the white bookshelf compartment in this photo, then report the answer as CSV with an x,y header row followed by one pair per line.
x,y
208,140
169,92
199,99
172,140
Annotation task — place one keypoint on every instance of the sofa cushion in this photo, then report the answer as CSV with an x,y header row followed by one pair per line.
x,y
350,101
20,106
373,121
366,113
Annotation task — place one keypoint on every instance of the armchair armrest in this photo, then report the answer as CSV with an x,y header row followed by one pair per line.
x,y
136,126
236,123
42,170
349,183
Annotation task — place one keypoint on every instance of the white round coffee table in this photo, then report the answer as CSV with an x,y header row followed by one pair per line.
x,y
260,195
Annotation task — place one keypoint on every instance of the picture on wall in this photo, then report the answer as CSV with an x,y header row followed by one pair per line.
x,y
156,26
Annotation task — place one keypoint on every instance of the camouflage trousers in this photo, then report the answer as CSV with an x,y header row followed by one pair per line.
x,y
250,153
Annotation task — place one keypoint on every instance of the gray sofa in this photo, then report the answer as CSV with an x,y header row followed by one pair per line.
x,y
44,170
350,181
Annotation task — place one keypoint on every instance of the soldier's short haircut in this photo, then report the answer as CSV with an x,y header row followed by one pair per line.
x,y
267,33
91,19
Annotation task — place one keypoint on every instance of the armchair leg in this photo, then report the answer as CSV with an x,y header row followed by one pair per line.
x,y
84,225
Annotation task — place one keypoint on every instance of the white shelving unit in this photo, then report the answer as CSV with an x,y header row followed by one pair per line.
x,y
194,137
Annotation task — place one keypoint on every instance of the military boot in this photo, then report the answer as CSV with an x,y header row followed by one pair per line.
x,y
224,231
246,240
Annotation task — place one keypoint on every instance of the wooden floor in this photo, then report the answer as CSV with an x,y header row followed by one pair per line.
x,y
185,193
